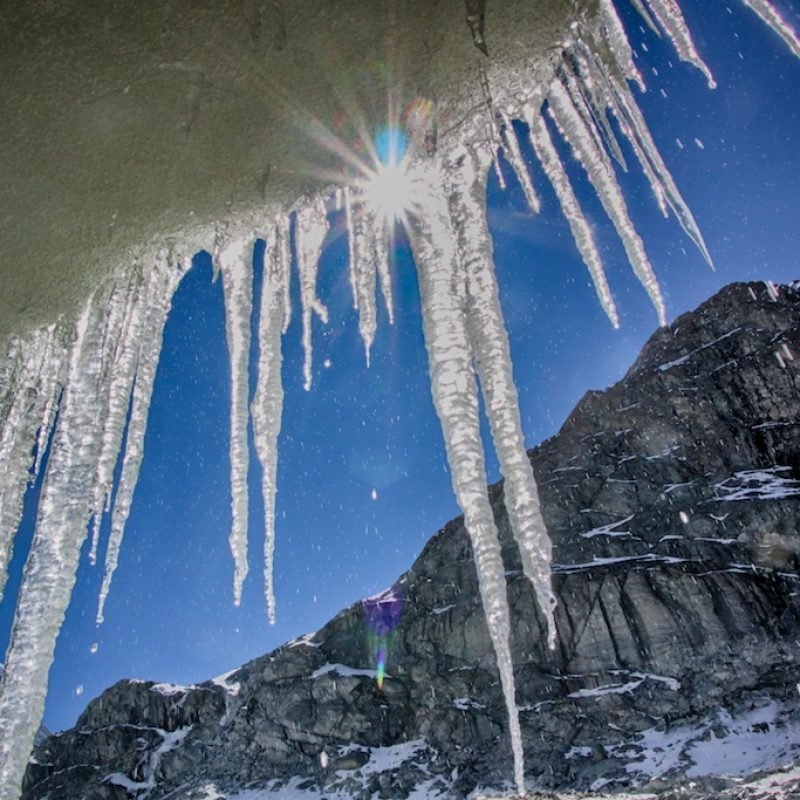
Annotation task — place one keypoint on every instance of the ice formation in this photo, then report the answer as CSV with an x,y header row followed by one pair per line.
x,y
268,401
139,347
92,412
766,10
464,334
310,231
368,241
236,265
72,393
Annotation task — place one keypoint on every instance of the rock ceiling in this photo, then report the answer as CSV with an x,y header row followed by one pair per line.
x,y
128,122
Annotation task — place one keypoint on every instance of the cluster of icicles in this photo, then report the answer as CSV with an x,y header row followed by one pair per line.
x,y
96,377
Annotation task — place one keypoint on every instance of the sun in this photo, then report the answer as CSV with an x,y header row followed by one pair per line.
x,y
387,188
389,191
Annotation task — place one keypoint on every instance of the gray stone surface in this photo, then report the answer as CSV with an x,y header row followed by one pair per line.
x,y
673,502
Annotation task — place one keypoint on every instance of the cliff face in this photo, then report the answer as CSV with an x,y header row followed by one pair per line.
x,y
673,502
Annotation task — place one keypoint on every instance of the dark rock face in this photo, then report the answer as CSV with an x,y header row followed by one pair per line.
x,y
673,501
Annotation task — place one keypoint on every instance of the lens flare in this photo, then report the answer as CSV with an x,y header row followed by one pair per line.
x,y
381,670
382,613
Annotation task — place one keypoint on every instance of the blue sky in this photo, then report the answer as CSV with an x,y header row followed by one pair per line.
x,y
170,616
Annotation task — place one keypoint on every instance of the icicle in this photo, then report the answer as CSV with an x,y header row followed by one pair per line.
x,y
634,127
770,15
670,17
284,256
52,563
162,282
8,366
476,11
605,99
116,309
581,230
611,93
602,177
236,262
618,43
368,239
267,406
645,15
498,171
593,98
455,398
381,240
351,258
39,372
216,266
514,157
16,411
53,381
489,343
122,344
576,96
310,232
362,258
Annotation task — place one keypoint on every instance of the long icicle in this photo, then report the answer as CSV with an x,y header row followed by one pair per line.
x,y
492,352
50,571
53,377
576,92
163,281
769,14
310,232
381,241
619,44
121,371
592,100
670,18
267,406
454,391
362,260
236,263
19,424
635,129
514,157
581,230
348,215
645,15
601,175
39,373
603,96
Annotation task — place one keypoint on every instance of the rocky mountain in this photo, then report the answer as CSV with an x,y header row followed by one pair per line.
x,y
673,502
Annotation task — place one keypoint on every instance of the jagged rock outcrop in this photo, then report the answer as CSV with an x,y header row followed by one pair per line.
x,y
673,502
